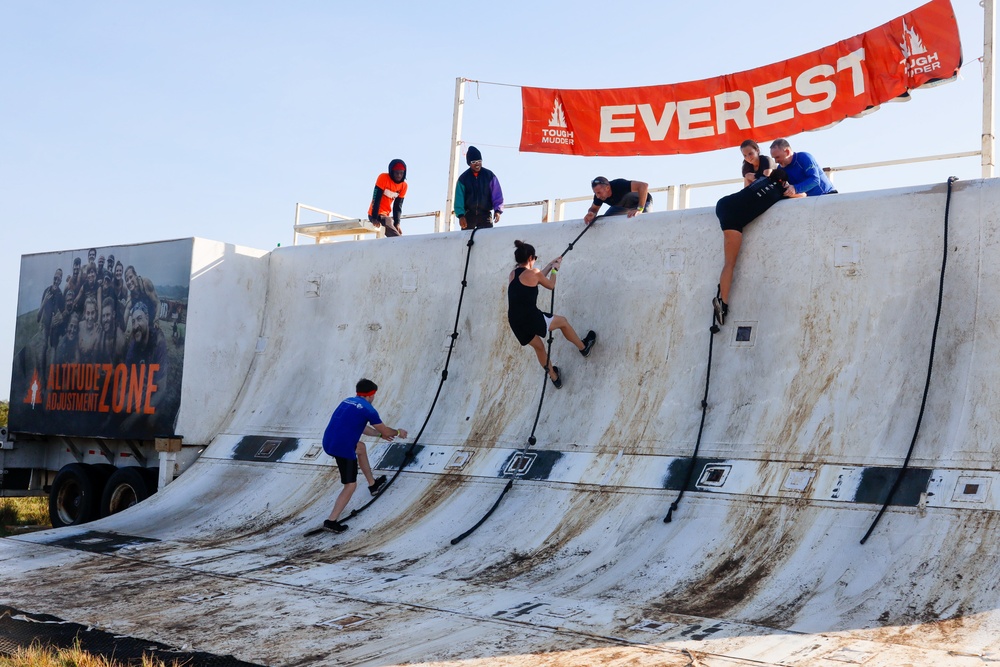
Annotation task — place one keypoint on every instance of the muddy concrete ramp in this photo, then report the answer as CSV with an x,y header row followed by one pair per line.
x,y
817,383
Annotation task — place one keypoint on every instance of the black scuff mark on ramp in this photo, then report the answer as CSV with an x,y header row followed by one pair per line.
x,y
876,482
395,455
873,487
678,469
99,542
263,449
20,630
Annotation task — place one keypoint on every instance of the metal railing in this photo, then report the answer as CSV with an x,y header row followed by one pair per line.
x,y
553,210
342,225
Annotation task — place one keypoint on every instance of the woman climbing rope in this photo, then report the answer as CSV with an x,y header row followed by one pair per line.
x,y
527,322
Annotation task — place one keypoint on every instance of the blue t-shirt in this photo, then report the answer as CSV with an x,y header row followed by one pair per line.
x,y
805,174
346,426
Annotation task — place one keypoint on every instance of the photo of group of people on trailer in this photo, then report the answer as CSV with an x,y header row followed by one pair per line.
x,y
99,353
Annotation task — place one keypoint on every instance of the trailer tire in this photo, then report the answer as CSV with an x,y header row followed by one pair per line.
x,y
127,487
73,499
152,479
100,473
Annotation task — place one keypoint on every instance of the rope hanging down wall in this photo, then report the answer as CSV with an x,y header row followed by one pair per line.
x,y
930,367
714,329
531,438
408,455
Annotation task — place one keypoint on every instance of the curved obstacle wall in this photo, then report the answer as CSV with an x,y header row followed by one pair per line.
x,y
816,385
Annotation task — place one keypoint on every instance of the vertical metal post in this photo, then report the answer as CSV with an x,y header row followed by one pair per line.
x,y
989,97
671,198
560,210
295,234
456,154
548,208
683,196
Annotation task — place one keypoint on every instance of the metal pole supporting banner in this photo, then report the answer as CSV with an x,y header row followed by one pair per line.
x,y
456,155
989,97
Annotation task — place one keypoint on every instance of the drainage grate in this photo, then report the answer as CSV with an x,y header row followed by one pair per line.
x,y
714,475
798,480
744,334
459,459
971,489
267,449
520,464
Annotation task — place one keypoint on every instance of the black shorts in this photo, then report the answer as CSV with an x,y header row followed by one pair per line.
x,y
739,209
527,328
348,469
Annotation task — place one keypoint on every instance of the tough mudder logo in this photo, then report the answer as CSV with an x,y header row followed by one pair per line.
x,y
557,132
915,55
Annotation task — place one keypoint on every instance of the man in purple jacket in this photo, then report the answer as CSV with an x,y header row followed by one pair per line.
x,y
478,198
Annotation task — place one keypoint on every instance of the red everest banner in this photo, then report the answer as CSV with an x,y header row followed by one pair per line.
x,y
808,92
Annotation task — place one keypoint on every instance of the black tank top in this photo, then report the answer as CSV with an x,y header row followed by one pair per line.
x,y
521,299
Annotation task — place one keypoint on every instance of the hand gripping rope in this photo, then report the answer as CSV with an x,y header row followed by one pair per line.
x,y
930,367
531,438
714,329
408,456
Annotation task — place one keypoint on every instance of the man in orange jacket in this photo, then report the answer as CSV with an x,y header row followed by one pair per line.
x,y
387,199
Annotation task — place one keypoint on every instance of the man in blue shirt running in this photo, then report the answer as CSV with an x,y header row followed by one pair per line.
x,y
354,416
805,177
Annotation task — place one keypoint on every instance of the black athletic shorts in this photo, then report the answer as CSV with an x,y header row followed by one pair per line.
x,y
739,209
348,469
527,328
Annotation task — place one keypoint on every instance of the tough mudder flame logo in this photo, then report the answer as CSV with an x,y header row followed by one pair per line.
x,y
559,135
912,45
558,118
915,56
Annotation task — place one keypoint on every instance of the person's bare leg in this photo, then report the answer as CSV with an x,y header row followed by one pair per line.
x,y
342,500
561,323
731,247
363,464
538,345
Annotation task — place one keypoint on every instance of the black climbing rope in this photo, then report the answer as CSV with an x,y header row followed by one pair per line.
x,y
531,438
930,366
714,329
408,455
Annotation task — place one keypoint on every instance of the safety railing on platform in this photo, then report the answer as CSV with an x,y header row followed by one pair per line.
x,y
553,210
342,225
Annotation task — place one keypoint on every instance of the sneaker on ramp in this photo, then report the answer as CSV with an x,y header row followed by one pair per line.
x,y
377,487
334,526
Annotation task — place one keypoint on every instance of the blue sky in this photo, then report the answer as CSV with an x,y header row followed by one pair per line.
x,y
128,122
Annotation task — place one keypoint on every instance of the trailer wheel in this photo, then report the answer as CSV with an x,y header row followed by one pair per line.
x,y
152,479
73,499
100,473
126,487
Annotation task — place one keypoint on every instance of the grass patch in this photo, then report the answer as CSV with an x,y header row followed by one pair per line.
x,y
37,656
27,511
